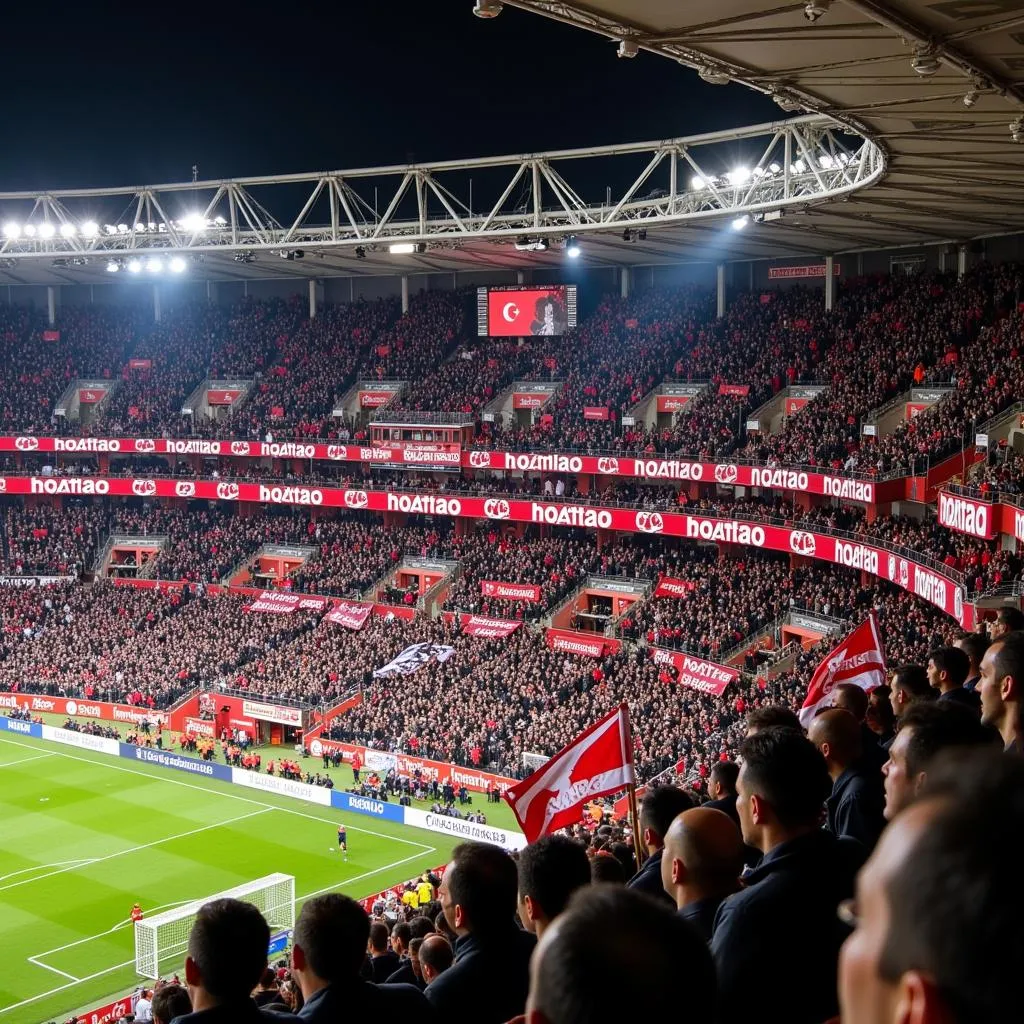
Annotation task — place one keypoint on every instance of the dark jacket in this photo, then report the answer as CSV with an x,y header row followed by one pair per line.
x,y
489,980
781,934
356,1000
961,695
244,1012
701,914
648,878
856,808
382,967
405,975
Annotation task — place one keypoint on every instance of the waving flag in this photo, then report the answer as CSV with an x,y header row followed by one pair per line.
x,y
596,763
414,658
859,659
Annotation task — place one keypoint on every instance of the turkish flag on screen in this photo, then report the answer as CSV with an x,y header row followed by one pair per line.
x,y
859,659
596,763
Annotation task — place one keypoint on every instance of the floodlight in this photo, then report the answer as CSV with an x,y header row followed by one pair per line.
x,y
47,230
12,230
572,247
91,229
740,223
67,230
134,266
698,184
740,176
401,248
29,230
154,264
194,222
113,266
177,265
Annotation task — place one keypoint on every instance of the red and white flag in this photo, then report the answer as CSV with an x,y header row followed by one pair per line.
x,y
859,659
598,762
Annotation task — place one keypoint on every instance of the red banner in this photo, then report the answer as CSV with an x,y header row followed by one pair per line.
x,y
530,399
510,591
277,412
966,515
739,390
222,396
351,614
108,1013
794,405
140,364
915,409
200,727
670,586
90,396
38,703
591,645
596,412
672,403
479,625
51,335
415,453
811,270
407,764
520,312
383,351
375,399
696,673
279,602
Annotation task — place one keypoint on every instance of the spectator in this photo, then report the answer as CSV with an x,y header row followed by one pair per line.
x,y
227,954
772,717
909,683
932,904
605,867
1002,687
550,871
855,808
328,953
436,957
618,955
1008,620
144,1006
383,961
852,698
780,933
927,730
478,895
974,645
401,937
660,807
170,1002
267,991
948,668
701,865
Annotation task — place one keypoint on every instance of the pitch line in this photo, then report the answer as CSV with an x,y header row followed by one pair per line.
x,y
25,760
40,867
56,970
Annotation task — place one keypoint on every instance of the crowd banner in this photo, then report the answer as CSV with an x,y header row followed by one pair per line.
x,y
931,584
509,591
279,602
479,625
696,673
82,707
670,586
351,614
413,658
833,485
459,828
591,645
28,582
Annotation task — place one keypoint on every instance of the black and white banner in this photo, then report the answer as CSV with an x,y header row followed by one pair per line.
x,y
414,658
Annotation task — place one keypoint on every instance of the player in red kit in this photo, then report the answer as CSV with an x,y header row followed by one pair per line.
x,y
136,914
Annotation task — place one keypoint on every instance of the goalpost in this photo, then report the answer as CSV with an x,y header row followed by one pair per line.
x,y
164,937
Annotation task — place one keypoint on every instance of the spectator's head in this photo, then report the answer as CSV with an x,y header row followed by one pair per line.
x,y
880,718
722,780
937,924
782,787
703,856
775,716
550,871
644,950
420,927
414,956
227,953
401,934
850,697
974,645
1002,686
479,890
947,668
661,806
378,941
908,683
435,957
1007,620
329,943
169,1002
605,867
836,733
927,729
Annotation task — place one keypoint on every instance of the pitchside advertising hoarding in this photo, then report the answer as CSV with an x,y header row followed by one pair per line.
x,y
831,485
931,584
80,707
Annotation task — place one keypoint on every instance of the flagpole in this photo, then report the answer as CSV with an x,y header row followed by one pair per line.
x,y
631,793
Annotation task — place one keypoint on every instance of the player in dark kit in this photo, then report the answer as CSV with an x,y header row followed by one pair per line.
x,y
343,840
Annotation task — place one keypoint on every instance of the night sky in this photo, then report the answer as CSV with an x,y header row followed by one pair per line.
x,y
130,96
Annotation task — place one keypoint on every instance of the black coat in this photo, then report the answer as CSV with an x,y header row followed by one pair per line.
x,y
405,975
701,914
648,878
382,967
356,1000
781,934
489,980
856,808
244,1012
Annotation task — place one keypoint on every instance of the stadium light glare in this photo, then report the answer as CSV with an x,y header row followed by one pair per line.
x,y
177,265
154,264
799,167
110,229
134,266
90,229
194,222
740,176
12,230
826,161
67,230
775,168
401,248
47,230
219,221
122,229
113,266
29,230
572,247
698,184
740,223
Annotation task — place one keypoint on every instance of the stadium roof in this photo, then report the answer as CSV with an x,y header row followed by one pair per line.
x,y
934,86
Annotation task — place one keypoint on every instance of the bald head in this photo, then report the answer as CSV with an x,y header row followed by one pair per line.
x,y
435,956
703,855
836,733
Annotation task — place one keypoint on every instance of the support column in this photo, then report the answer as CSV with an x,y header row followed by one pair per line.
x,y
405,293
156,304
830,283
315,297
942,259
520,277
624,282
721,290
51,305
961,262
211,292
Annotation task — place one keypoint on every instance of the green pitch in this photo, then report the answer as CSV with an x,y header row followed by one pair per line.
x,y
85,836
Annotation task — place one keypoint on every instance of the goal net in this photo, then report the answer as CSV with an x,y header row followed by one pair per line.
x,y
163,939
